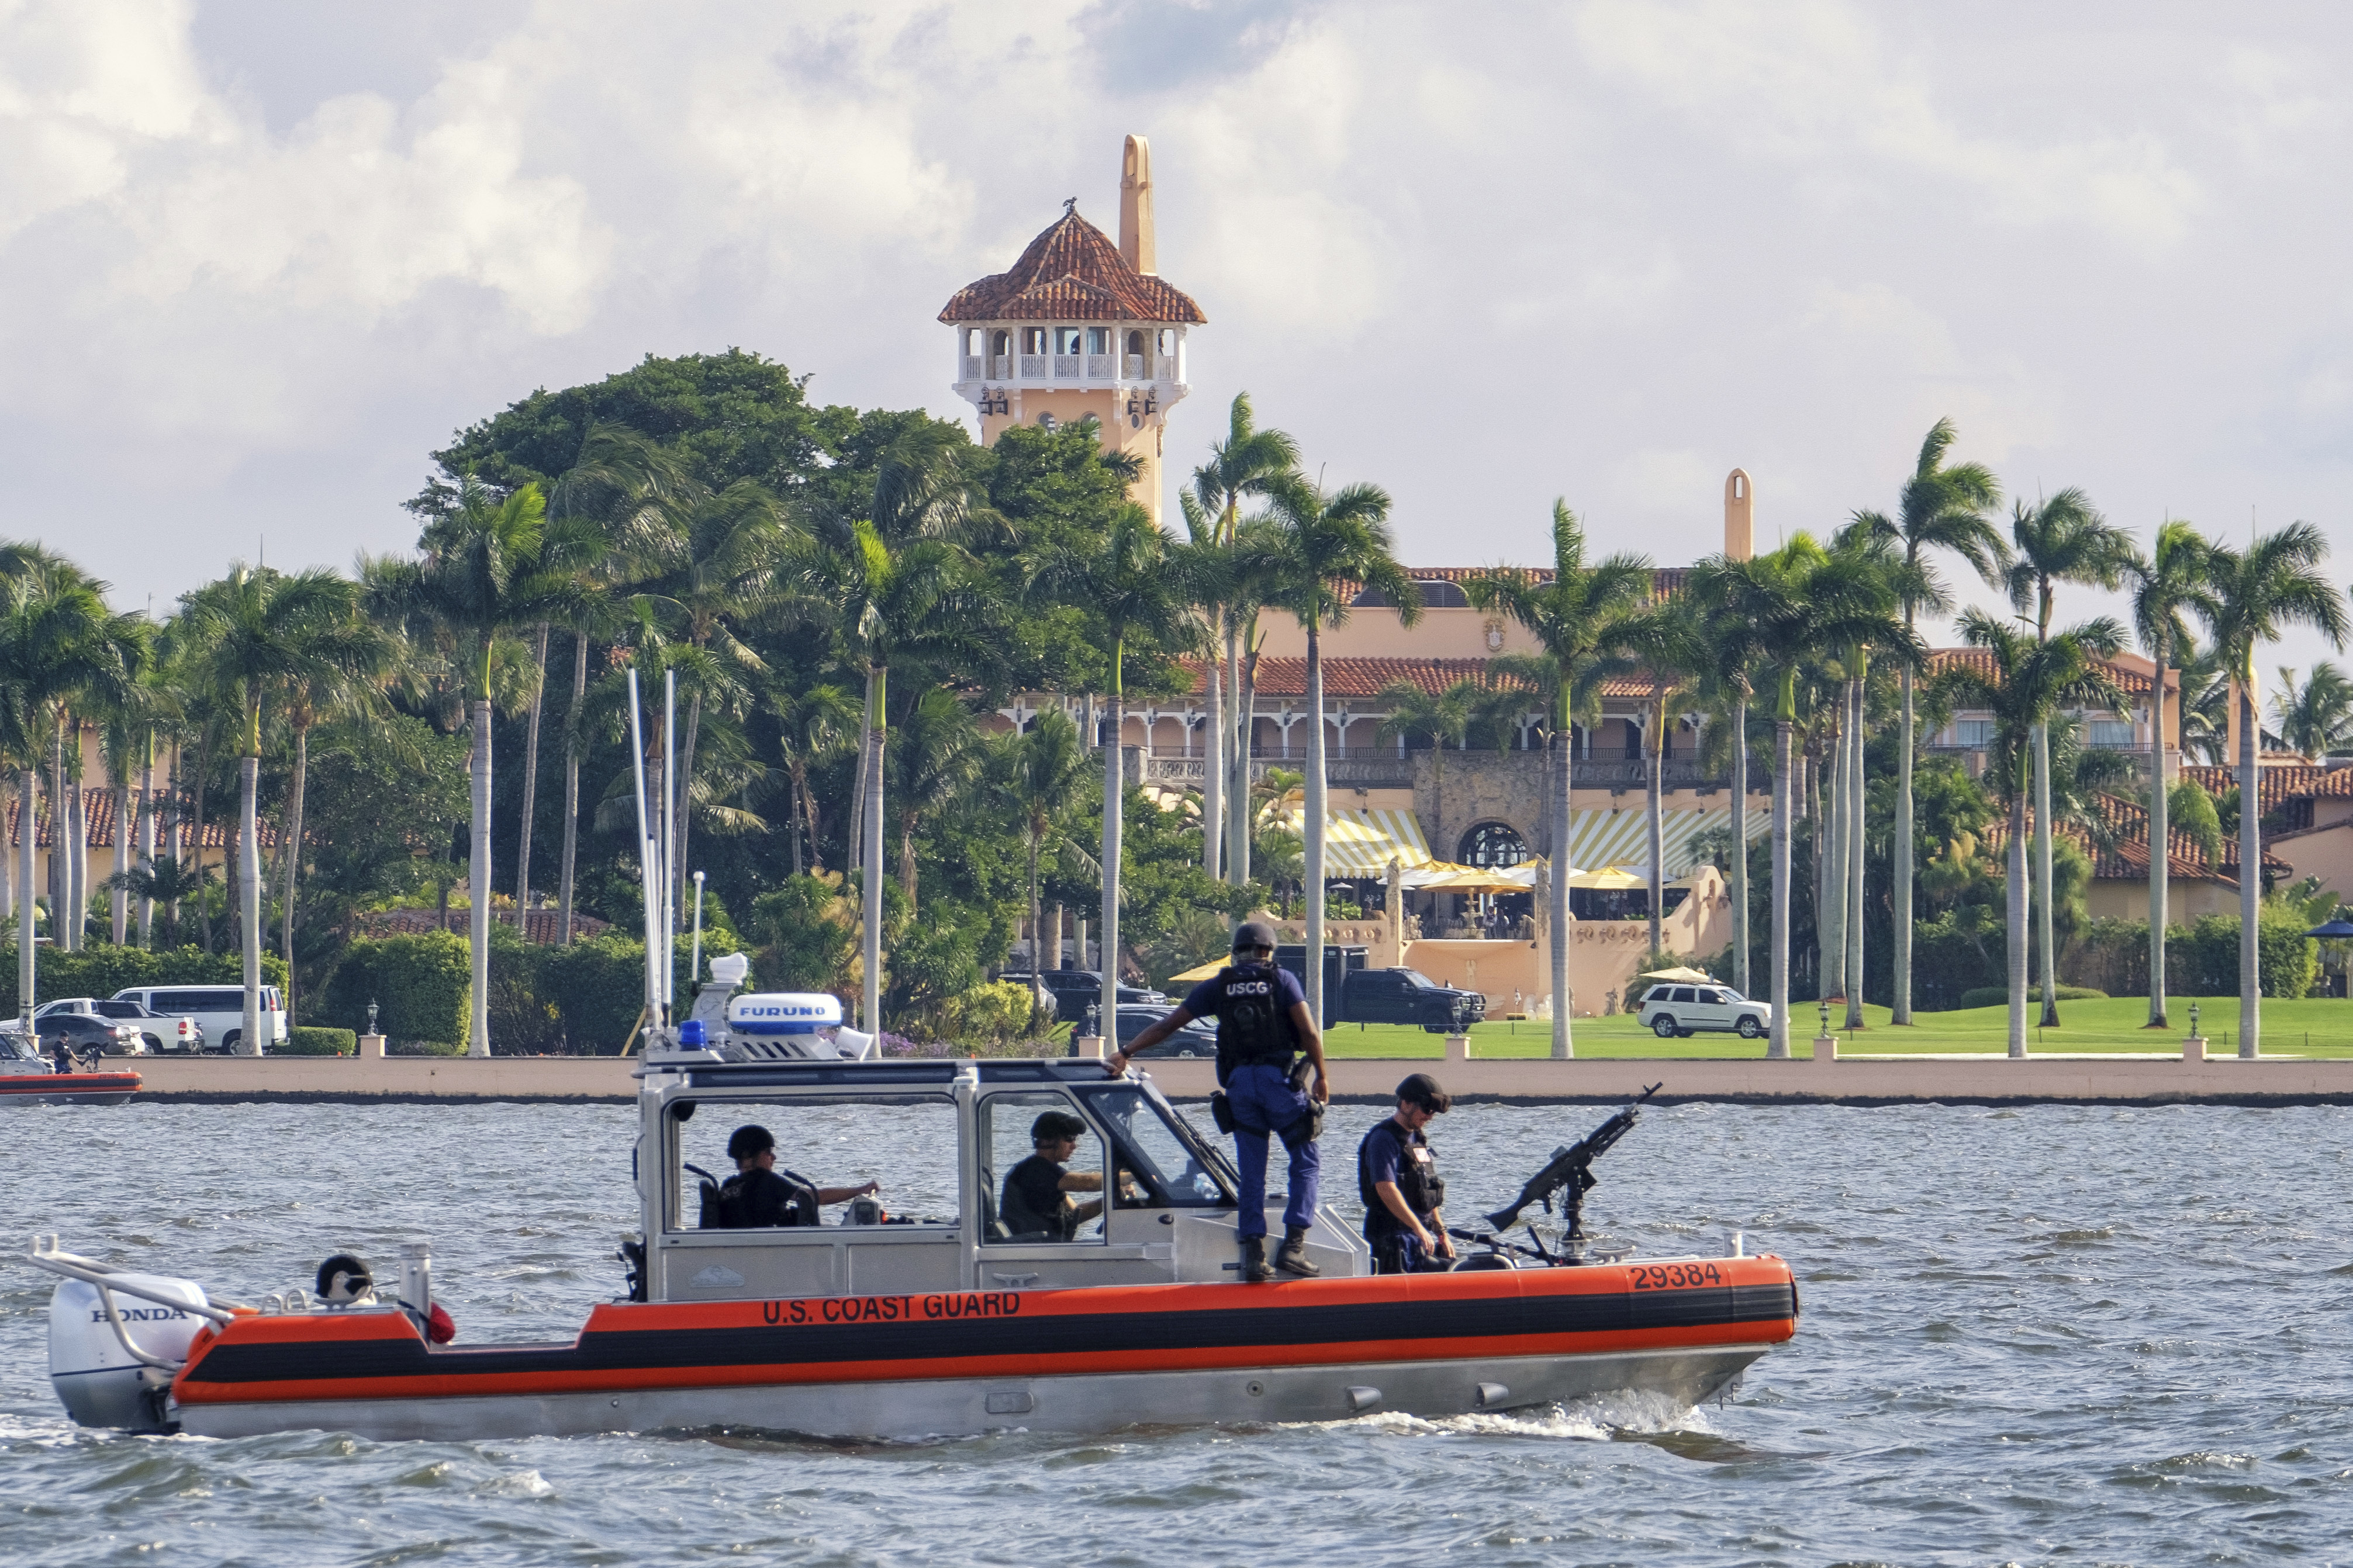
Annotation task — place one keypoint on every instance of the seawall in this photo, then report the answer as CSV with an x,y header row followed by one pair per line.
x,y
1986,1081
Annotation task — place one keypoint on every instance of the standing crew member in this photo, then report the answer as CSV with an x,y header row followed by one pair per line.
x,y
1400,1184
1263,1026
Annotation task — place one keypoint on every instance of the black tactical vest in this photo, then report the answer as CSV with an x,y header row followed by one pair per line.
x,y
1254,1026
1419,1183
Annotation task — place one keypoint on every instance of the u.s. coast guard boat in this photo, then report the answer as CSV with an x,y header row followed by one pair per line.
x,y
1127,1308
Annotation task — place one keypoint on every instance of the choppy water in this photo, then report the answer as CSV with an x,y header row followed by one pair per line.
x,y
2092,1334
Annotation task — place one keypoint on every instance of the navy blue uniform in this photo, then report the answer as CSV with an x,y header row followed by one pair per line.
x,y
1256,1047
1390,1153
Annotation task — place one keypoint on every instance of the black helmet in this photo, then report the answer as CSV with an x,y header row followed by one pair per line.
x,y
747,1141
1057,1126
1420,1088
1253,934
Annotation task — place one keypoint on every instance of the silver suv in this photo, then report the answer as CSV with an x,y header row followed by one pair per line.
x,y
1671,1011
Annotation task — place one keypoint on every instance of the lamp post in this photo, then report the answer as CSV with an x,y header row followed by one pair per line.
x,y
2193,1020
1826,1018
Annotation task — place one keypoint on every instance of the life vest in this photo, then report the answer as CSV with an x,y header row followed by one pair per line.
x,y
756,1199
1419,1183
1254,1028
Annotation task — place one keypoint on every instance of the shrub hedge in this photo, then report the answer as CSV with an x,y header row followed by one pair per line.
x,y
420,982
308,1040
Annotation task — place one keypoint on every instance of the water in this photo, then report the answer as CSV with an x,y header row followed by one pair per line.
x,y
2086,1334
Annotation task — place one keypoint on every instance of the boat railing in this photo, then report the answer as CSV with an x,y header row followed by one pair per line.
x,y
106,1280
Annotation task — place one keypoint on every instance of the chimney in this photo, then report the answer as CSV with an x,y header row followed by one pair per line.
x,y
1135,206
1739,516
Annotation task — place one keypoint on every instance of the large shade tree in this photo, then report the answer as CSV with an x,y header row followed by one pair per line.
x,y
1574,611
1942,507
2258,593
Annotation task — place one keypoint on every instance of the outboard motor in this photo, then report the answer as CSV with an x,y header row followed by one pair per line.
x,y
106,1378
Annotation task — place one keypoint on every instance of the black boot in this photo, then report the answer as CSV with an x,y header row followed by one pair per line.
x,y
1254,1268
1292,1259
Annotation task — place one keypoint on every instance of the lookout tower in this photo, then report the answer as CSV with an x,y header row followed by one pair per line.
x,y
1080,328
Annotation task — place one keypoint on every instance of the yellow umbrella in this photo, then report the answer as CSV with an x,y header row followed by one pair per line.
x,y
1199,972
1615,879
1680,976
1475,880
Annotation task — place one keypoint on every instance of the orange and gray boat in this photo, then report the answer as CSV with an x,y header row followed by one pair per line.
x,y
26,1077
886,1325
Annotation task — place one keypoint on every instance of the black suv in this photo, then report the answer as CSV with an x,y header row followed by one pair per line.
x,y
1409,996
1073,989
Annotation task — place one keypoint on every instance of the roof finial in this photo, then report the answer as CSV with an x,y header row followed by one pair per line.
x,y
1069,205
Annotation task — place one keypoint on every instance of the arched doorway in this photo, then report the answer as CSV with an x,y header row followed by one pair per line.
x,y
1493,846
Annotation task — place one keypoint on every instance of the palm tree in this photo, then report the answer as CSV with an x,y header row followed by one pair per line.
x,y
260,633
1146,593
1573,616
1659,640
2170,582
1941,507
494,565
813,724
936,756
1320,543
60,645
1441,716
2063,540
1039,773
1249,462
2258,593
2032,679
2315,714
344,683
1729,597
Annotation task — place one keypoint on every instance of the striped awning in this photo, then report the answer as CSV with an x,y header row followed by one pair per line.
x,y
1361,844
1622,837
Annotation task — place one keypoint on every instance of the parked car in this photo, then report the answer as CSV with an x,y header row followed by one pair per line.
x,y
1669,1011
165,1034
86,1033
218,1011
1072,989
1409,996
1197,1038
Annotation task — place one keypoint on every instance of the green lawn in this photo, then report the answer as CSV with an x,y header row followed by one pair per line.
x,y
2319,1027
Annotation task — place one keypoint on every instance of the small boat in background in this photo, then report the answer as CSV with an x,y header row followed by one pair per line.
x,y
26,1077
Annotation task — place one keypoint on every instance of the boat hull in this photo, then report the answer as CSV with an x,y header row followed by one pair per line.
x,y
68,1088
1072,1360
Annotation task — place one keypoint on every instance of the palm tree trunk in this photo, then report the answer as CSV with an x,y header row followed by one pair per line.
x,y
1237,861
853,832
1108,1023
147,839
572,783
1314,824
60,827
292,853
1784,791
1740,843
871,737
1213,774
203,905
1555,896
2251,870
2015,897
1830,830
78,851
1902,852
248,903
477,876
176,833
2044,890
118,897
1654,806
26,933
809,815
907,859
529,784
1854,815
1038,962
2160,840
686,804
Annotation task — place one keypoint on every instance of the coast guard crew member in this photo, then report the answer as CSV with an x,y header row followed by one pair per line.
x,y
1263,1025
1401,1185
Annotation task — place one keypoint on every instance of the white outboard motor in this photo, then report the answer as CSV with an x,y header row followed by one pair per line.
x,y
102,1380
789,1023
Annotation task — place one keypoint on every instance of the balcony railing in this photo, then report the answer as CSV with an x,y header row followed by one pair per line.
x,y
1105,369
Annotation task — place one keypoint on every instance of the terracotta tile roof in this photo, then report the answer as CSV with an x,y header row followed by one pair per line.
x,y
98,809
2128,858
2275,784
2131,682
541,926
1071,272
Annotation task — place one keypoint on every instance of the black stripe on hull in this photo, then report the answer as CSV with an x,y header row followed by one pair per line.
x,y
817,1344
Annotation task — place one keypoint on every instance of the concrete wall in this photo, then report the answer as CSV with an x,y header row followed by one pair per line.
x,y
2126,899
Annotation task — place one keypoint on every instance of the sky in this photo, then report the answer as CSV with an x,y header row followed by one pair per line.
x,y
259,258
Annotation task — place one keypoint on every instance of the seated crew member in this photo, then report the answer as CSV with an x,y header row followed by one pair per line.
x,y
758,1194
1401,1185
1263,1026
1037,1191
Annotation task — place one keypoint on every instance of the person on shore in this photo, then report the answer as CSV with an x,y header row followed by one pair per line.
x,y
1398,1181
758,1194
1264,1028
1037,1198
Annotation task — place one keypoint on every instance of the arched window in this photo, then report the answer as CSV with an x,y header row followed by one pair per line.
x,y
1001,343
1135,342
1045,422
1494,846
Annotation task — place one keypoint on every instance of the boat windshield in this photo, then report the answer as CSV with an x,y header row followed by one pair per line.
x,y
836,1143
1175,1166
